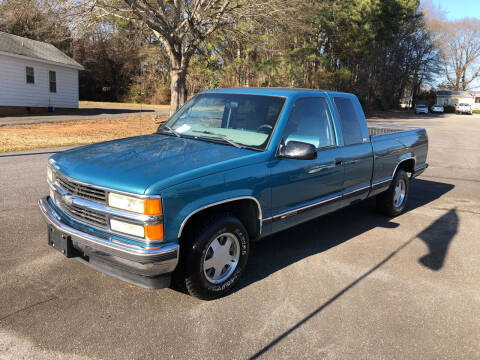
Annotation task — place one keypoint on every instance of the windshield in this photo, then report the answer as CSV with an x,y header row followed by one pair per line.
x,y
463,104
234,119
421,106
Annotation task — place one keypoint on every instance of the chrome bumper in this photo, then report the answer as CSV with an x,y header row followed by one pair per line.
x,y
142,267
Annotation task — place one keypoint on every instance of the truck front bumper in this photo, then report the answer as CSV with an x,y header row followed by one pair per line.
x,y
148,268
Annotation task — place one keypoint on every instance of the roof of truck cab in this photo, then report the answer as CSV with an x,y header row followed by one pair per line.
x,y
285,92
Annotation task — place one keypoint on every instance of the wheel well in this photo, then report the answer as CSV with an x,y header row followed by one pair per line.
x,y
245,210
407,165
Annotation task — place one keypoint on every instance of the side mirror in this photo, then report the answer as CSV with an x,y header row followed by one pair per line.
x,y
298,150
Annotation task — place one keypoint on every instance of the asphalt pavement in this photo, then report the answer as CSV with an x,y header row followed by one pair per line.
x,y
85,112
349,285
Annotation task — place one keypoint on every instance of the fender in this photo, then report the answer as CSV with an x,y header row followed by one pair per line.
x,y
260,215
403,158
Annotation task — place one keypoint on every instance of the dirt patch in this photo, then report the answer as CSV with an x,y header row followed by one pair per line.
x,y
83,104
23,137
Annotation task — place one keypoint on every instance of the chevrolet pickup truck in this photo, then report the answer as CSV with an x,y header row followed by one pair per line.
x,y
230,167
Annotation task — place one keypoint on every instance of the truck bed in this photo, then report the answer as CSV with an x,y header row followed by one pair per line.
x,y
394,144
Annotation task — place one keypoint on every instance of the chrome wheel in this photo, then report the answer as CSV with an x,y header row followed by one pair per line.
x,y
399,194
221,258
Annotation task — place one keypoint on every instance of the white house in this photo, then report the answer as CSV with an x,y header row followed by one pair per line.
x,y
451,97
476,104
35,76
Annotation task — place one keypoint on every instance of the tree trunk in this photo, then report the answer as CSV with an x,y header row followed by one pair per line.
x,y
239,65
178,84
247,69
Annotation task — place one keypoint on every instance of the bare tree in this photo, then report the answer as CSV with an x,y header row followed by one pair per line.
x,y
36,19
459,42
180,26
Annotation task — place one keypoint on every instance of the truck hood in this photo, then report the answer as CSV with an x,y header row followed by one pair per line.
x,y
133,164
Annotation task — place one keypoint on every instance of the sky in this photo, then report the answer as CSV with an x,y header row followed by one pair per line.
x,y
458,9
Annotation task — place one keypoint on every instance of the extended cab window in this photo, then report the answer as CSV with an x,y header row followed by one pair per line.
x,y
352,133
310,122
236,119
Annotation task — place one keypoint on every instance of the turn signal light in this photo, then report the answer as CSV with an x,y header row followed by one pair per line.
x,y
154,232
153,206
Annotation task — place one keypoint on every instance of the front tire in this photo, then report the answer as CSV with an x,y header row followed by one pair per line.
x,y
393,201
216,258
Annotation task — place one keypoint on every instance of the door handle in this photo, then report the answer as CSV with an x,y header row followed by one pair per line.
x,y
318,168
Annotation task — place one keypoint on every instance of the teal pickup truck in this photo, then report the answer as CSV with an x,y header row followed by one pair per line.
x,y
230,167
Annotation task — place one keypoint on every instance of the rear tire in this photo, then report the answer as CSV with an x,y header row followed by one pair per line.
x,y
216,258
393,201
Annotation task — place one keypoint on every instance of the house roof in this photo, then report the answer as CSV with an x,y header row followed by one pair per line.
x,y
17,45
453,93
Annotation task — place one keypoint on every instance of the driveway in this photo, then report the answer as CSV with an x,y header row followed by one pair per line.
x,y
85,112
349,285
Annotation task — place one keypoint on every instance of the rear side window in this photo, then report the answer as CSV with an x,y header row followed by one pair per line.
x,y
352,133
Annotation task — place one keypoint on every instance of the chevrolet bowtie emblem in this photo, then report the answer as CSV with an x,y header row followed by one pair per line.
x,y
67,199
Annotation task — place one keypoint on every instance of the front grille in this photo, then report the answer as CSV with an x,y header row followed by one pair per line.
x,y
87,216
82,191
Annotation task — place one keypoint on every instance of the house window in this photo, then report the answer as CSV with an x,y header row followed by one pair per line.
x,y
30,75
53,81
477,100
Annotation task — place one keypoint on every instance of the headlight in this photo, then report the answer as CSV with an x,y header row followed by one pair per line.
x,y
127,228
130,203
126,203
50,174
149,232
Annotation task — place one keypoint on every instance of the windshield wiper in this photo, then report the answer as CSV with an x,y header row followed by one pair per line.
x,y
223,137
172,131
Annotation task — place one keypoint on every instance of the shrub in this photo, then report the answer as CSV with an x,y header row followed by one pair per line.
x,y
476,111
161,95
449,109
149,90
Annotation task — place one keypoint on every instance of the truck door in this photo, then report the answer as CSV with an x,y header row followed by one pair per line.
x,y
357,154
304,189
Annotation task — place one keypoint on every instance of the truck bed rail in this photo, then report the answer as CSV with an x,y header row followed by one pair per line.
x,y
375,131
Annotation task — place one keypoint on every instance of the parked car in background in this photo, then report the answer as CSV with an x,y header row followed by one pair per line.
x,y
421,109
230,167
437,108
464,108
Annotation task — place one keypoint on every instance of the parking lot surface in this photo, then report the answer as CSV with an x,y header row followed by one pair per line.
x,y
349,285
